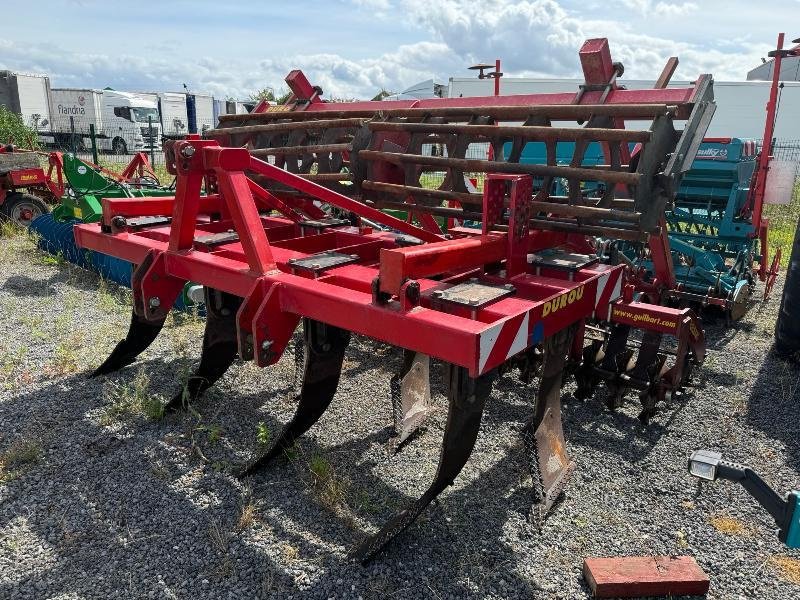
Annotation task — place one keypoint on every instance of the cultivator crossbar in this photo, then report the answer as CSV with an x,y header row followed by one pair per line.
x,y
524,291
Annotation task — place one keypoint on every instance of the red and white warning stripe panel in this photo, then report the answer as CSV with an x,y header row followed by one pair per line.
x,y
579,300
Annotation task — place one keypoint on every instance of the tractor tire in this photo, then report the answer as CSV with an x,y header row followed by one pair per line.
x,y
22,208
119,147
787,327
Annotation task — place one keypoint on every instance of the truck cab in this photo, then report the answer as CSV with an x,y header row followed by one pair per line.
x,y
131,122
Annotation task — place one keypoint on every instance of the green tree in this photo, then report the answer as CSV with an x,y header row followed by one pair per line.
x,y
268,94
14,131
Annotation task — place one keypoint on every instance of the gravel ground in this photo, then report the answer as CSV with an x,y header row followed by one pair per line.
x,y
101,498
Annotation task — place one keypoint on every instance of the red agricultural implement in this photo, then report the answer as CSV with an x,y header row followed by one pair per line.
x,y
26,189
525,291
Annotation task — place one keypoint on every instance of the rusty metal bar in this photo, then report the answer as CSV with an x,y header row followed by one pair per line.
x,y
557,205
405,190
318,177
519,113
310,149
488,166
531,132
289,126
667,73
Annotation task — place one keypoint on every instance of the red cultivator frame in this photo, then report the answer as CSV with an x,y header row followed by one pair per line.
x,y
522,292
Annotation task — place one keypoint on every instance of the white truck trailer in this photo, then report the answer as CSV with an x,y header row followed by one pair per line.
x,y
27,96
740,104
124,122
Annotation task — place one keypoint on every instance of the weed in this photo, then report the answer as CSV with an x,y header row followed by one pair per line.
x,y
17,457
50,260
213,432
10,229
134,398
247,517
290,553
65,356
10,361
263,433
34,324
105,299
331,489
219,538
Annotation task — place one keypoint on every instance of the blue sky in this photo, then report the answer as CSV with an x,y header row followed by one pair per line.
x,y
353,48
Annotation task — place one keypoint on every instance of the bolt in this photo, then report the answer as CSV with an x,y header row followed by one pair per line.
x,y
119,222
326,347
437,293
473,301
355,256
315,265
225,312
509,287
188,151
266,344
154,302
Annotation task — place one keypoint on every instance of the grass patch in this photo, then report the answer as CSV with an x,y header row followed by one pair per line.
x,y
10,361
782,224
729,525
331,489
17,457
132,399
788,568
66,355
10,229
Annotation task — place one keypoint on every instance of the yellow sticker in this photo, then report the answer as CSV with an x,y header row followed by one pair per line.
x,y
563,300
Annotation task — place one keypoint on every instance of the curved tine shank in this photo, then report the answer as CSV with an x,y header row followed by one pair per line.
x,y
546,452
219,347
324,354
467,398
141,334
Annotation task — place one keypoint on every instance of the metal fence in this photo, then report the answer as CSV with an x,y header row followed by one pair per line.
x,y
110,144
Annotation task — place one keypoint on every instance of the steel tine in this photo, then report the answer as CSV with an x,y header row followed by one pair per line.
x,y
546,451
324,354
411,396
141,334
467,397
219,347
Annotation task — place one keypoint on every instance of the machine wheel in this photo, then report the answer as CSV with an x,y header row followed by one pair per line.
x,y
23,208
118,146
787,327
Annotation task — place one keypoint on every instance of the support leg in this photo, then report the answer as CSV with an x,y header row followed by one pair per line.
x,y
543,435
324,354
467,398
219,347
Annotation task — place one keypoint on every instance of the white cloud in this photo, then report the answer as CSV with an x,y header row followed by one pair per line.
x,y
661,9
532,37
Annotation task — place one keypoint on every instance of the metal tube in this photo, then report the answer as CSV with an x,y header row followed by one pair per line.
x,y
532,132
310,149
290,126
517,112
488,166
